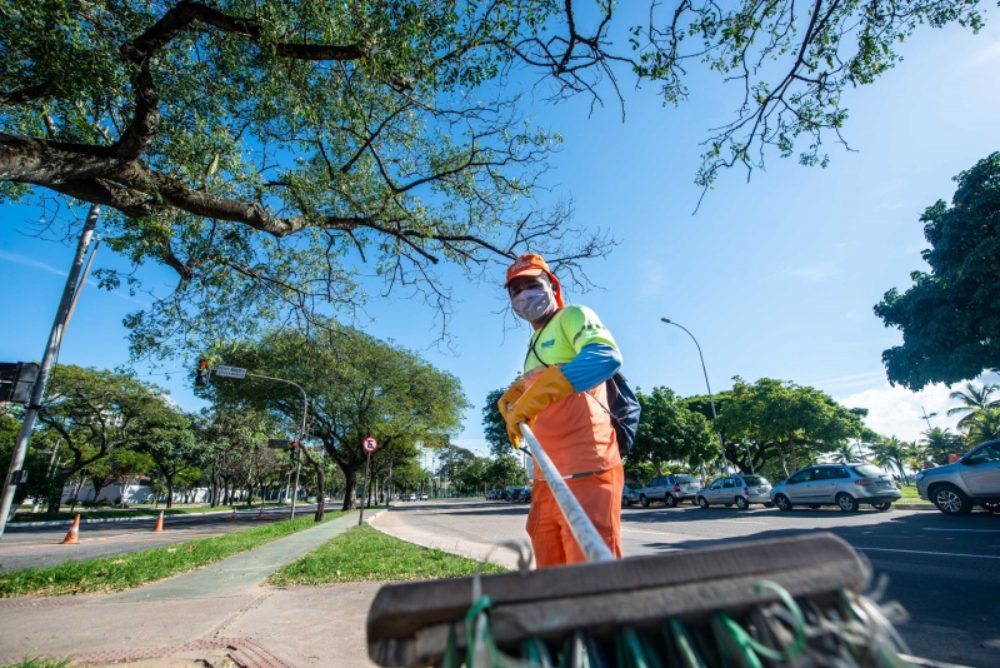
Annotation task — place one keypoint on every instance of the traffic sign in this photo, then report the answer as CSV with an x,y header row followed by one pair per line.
x,y
224,371
370,445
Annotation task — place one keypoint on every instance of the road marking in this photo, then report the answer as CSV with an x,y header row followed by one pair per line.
x,y
661,533
965,530
935,554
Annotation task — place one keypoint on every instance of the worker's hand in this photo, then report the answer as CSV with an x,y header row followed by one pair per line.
x,y
506,404
550,386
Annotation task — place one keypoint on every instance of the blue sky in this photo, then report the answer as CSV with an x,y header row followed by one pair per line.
x,y
776,277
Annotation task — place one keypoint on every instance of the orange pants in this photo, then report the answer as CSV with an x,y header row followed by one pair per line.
x,y
601,498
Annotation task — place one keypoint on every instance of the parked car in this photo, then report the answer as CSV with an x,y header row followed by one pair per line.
x,y
843,485
508,493
972,480
629,495
670,489
523,495
424,497
741,490
411,497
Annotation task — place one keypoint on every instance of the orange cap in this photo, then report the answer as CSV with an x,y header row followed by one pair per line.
x,y
531,264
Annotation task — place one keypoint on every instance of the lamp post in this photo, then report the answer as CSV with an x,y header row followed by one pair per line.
x,y
711,399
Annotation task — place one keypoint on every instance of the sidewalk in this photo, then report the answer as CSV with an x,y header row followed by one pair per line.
x,y
211,616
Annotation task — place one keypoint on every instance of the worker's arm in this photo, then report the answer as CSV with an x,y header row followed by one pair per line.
x,y
592,366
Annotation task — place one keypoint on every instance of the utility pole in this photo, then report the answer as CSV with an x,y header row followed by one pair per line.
x,y
711,399
927,418
71,289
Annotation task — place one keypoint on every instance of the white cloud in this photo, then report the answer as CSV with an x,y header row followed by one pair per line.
x,y
896,411
30,262
815,273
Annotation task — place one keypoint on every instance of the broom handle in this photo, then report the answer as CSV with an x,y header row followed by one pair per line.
x,y
593,546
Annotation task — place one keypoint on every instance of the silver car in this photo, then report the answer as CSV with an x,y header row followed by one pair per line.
x,y
843,485
629,495
741,490
973,479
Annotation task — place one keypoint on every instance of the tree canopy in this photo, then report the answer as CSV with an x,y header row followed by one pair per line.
x,y
670,432
784,423
272,153
357,387
950,316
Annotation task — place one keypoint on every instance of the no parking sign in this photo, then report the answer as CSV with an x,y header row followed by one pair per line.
x,y
370,445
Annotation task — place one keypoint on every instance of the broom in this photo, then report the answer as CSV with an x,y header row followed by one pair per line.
x,y
782,602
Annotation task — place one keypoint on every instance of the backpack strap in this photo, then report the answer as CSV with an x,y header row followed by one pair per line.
x,y
537,335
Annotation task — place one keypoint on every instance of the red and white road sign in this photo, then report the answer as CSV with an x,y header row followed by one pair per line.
x,y
370,445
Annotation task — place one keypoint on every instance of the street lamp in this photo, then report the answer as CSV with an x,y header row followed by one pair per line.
x,y
711,399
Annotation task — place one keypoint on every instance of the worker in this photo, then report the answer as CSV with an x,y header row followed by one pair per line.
x,y
562,396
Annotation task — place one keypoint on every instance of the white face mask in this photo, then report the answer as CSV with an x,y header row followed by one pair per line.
x,y
533,303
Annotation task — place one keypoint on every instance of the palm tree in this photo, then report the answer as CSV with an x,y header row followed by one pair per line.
x,y
939,443
846,453
894,452
974,400
985,425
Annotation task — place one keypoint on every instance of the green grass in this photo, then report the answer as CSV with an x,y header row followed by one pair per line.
x,y
910,495
140,511
364,554
133,569
39,663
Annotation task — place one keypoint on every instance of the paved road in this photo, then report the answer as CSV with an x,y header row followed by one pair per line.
x,y
944,570
40,546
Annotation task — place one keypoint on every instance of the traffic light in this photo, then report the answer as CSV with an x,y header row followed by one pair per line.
x,y
204,374
17,380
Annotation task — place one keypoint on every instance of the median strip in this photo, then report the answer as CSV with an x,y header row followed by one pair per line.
x,y
364,554
107,574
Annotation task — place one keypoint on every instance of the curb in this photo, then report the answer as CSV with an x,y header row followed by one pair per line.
x,y
914,506
138,518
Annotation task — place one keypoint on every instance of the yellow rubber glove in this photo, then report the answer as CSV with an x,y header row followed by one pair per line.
x,y
550,387
507,401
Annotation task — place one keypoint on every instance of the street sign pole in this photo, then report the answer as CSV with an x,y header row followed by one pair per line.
x,y
369,445
368,463
295,492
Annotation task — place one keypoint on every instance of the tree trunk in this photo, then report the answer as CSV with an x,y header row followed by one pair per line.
x,y
350,488
76,495
784,462
99,486
55,495
170,491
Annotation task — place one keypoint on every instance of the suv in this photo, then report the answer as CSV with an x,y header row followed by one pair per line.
x,y
973,479
843,485
739,489
671,489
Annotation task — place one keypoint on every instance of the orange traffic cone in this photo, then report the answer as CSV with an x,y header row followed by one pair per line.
x,y
159,524
73,535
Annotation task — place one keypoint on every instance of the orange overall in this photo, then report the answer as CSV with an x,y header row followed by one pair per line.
x,y
578,436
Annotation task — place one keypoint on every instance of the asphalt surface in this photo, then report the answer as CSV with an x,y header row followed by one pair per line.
x,y
944,570
23,546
